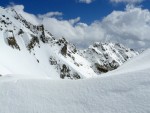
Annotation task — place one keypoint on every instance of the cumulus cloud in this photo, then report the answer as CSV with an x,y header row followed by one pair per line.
x,y
74,21
86,1
50,14
79,33
127,1
130,27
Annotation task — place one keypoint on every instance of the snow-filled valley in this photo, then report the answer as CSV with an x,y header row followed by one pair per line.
x,y
38,73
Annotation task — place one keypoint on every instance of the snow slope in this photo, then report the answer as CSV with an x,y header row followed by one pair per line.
x,y
128,92
28,49
140,63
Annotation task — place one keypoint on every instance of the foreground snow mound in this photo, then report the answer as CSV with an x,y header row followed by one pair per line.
x,y
113,94
120,93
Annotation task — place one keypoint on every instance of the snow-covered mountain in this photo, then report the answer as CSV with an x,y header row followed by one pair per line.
x,y
30,50
105,57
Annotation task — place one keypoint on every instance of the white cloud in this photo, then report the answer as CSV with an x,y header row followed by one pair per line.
x,y
50,14
130,27
74,21
80,33
133,24
127,1
86,1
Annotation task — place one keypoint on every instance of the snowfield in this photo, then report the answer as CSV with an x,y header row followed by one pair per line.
x,y
123,92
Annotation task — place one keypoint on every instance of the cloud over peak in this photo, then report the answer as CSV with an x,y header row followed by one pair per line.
x,y
130,27
127,1
50,14
86,1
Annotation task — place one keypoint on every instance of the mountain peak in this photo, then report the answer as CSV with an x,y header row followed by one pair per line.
x,y
35,51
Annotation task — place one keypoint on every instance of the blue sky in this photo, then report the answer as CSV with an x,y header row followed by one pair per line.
x,y
96,10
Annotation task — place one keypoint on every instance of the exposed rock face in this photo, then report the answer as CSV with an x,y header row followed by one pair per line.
x,y
105,57
65,72
42,34
10,39
64,50
20,32
52,61
12,42
33,42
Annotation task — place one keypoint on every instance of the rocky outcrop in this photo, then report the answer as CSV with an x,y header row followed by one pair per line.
x,y
33,42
